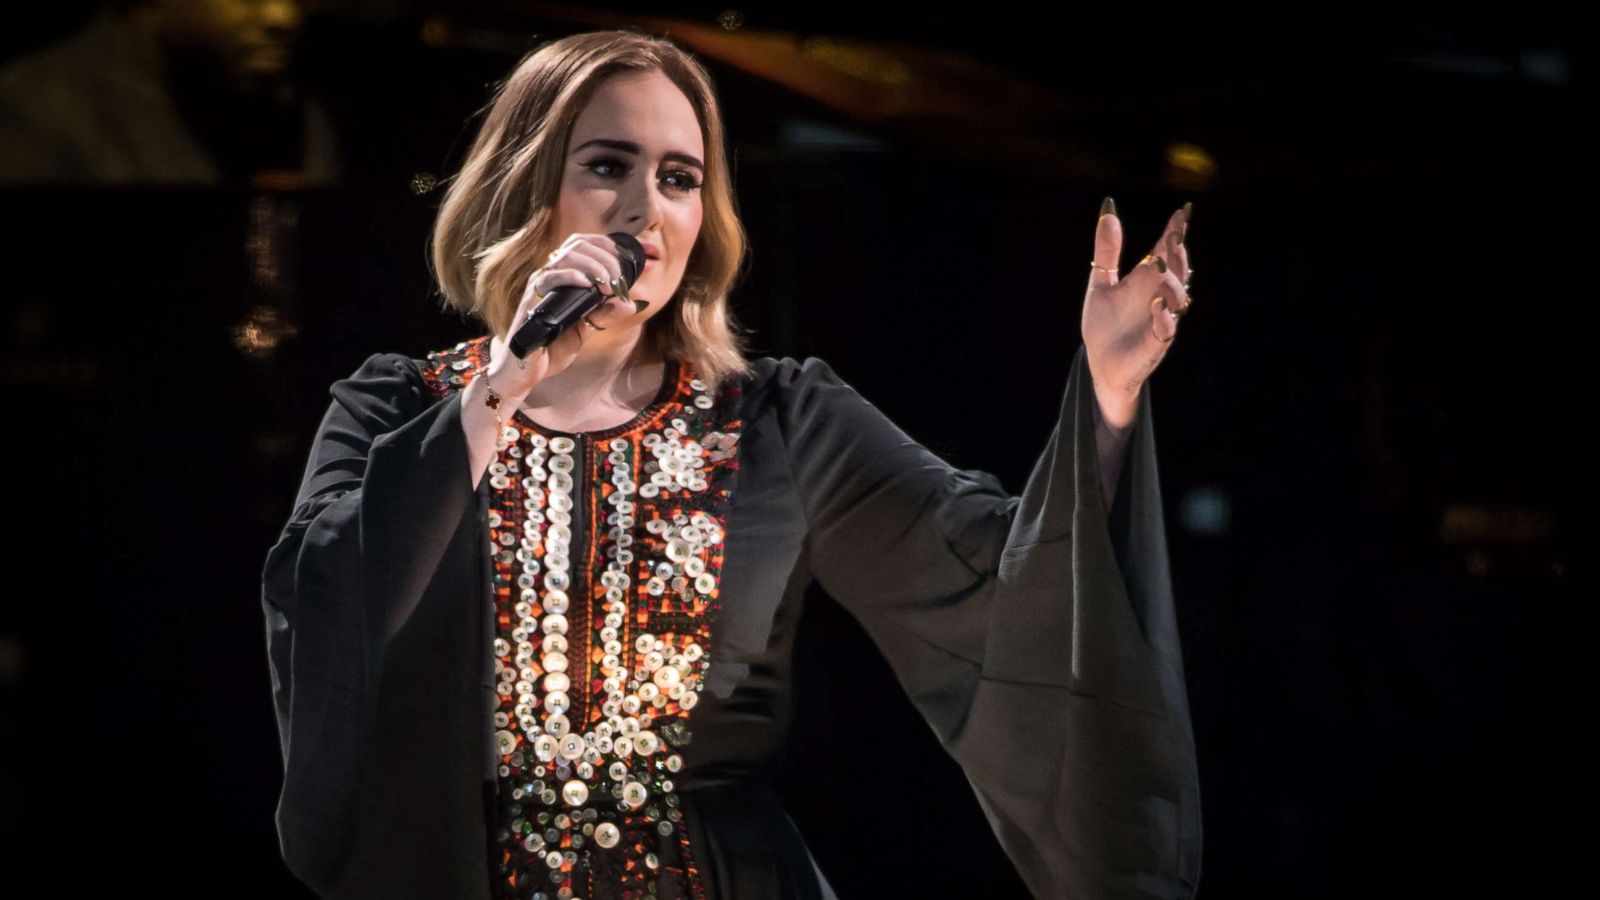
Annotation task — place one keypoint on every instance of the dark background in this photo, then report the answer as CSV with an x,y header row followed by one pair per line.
x,y
1371,428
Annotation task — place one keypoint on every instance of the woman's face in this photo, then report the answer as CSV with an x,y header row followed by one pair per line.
x,y
635,163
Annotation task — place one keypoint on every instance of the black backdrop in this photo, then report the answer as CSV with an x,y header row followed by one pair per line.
x,y
1371,434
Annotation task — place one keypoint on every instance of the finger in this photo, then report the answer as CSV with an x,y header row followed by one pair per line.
x,y
1107,246
1163,327
554,259
548,280
597,260
621,259
1147,278
534,291
1169,297
613,311
610,243
1170,245
607,251
1177,257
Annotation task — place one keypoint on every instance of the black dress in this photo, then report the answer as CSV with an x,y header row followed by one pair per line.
x,y
571,678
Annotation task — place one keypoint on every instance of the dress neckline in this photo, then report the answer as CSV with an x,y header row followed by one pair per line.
x,y
670,377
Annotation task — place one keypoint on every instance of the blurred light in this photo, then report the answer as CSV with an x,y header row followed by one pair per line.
x,y
862,61
1206,510
1463,523
730,19
263,329
1188,167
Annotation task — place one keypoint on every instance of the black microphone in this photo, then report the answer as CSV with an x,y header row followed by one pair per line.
x,y
565,306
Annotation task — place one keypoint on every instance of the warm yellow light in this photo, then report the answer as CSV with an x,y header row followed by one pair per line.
x,y
1191,158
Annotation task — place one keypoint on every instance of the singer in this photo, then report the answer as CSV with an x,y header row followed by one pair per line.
x,y
530,620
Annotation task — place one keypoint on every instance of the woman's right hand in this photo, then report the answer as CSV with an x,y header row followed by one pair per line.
x,y
582,260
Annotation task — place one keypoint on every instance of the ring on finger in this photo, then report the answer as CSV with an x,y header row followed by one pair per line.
x,y
1157,298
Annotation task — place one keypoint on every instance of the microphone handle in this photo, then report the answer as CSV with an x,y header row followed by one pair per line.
x,y
559,310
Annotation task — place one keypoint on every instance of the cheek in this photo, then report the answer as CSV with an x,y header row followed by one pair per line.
x,y
577,211
686,225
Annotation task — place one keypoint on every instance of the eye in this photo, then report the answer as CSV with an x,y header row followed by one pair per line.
x,y
683,180
689,182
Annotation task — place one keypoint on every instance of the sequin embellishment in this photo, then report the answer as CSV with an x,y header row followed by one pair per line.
x,y
607,548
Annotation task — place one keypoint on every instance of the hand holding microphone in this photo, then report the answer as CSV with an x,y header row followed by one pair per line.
x,y
564,299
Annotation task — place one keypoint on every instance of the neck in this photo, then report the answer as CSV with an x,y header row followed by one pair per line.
x,y
616,372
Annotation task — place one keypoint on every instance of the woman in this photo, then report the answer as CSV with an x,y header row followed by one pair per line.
x,y
530,620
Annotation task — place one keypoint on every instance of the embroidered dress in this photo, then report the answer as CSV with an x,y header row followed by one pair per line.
x,y
572,678
607,547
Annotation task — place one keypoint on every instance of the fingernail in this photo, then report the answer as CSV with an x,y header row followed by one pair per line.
x,y
1108,205
640,306
1188,210
1161,264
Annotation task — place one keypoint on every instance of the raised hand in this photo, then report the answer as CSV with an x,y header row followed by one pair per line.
x,y
582,260
1129,322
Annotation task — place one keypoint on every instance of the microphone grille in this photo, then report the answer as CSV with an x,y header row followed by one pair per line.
x,y
631,254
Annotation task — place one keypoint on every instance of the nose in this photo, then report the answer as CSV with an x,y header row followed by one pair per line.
x,y
643,205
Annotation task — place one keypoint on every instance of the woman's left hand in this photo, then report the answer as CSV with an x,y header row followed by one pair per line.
x,y
1127,326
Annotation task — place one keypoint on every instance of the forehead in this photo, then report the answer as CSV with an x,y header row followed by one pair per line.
x,y
645,108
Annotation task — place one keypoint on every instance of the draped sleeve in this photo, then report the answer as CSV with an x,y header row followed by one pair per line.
x,y
385,486
1036,634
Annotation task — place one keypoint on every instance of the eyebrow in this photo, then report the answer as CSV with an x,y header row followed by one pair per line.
x,y
631,147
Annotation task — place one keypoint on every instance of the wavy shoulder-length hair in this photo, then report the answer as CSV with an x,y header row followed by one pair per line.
x,y
495,220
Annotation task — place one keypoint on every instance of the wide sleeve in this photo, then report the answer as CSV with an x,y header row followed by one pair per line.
x,y
1036,634
385,487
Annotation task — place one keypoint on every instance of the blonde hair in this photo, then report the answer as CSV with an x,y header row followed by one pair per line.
x,y
495,221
